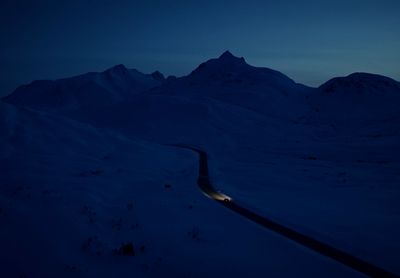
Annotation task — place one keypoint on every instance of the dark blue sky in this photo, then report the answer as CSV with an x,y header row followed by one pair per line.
x,y
309,40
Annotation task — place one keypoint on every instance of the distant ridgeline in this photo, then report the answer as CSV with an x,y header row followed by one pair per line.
x,y
342,101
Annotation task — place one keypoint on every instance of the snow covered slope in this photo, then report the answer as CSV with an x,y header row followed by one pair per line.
x,y
84,91
73,197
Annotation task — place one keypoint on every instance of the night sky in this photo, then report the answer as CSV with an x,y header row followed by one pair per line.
x,y
311,41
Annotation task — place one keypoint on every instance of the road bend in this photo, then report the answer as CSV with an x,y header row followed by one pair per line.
x,y
321,248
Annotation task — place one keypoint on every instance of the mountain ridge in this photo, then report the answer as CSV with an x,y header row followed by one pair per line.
x,y
109,86
227,78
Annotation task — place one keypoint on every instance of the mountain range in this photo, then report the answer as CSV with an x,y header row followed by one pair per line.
x,y
228,79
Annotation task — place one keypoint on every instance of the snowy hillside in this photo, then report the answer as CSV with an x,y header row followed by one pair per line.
x,y
84,91
356,99
73,197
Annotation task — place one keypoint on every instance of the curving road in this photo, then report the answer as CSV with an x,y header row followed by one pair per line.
x,y
324,249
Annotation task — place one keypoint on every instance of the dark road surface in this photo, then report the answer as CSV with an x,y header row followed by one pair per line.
x,y
302,239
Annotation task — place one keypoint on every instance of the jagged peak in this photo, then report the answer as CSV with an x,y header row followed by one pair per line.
x,y
228,56
117,69
227,61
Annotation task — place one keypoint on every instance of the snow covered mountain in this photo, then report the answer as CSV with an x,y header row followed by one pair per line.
x,y
221,97
88,90
230,79
356,99
227,79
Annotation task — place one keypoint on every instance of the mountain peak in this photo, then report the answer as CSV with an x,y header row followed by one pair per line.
x,y
228,56
117,69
